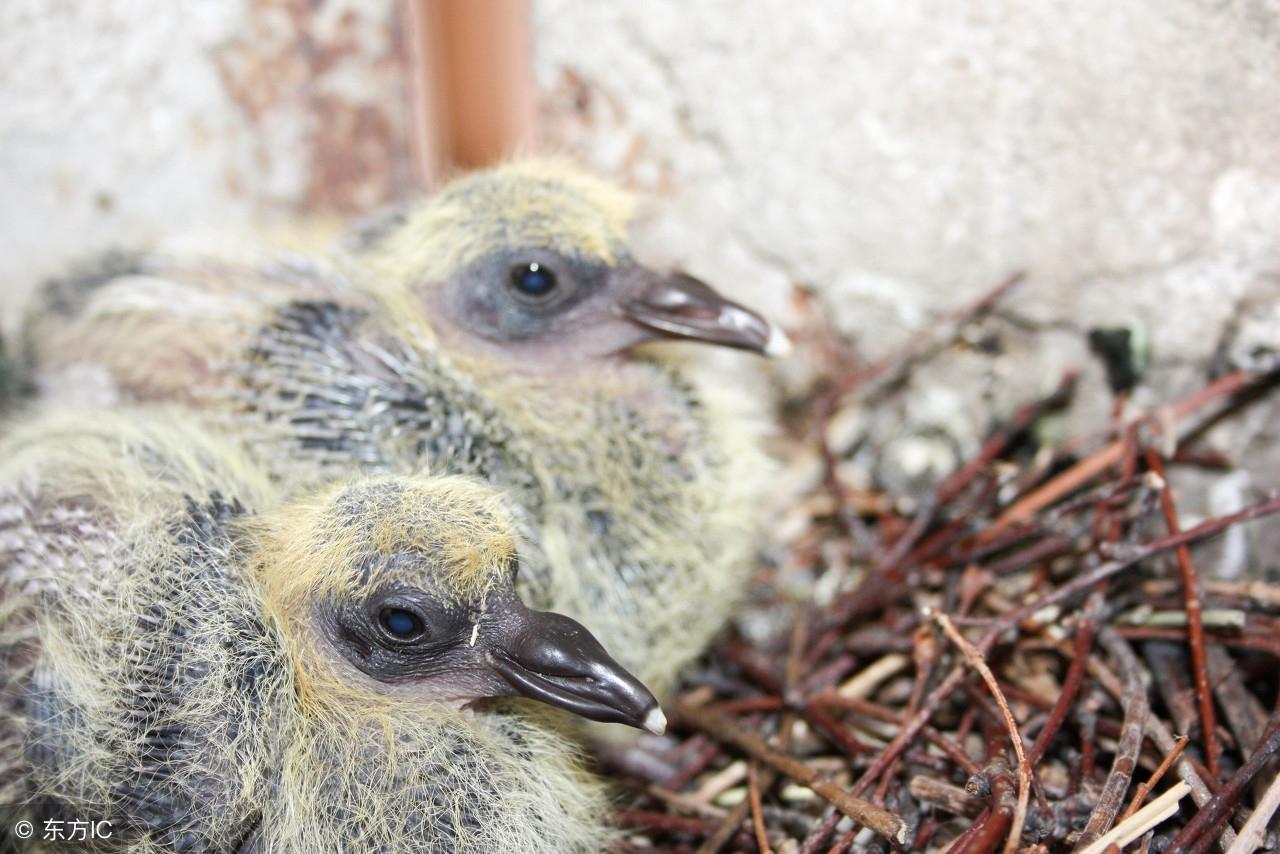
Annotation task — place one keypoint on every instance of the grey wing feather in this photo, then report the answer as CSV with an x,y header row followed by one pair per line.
x,y
191,675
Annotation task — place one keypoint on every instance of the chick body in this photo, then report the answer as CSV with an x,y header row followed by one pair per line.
x,y
161,667
632,476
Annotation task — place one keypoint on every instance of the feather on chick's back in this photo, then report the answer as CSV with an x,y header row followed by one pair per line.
x,y
158,687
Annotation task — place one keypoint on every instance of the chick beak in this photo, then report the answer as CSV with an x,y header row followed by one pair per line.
x,y
551,658
677,305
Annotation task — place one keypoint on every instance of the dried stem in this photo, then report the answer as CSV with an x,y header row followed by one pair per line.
x,y
1134,703
1145,789
1086,628
1204,825
1195,621
727,731
974,658
757,811
1253,835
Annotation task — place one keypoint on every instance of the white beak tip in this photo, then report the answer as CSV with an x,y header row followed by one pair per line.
x,y
655,722
779,344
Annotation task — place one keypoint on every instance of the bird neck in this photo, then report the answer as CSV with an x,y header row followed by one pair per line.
x,y
644,402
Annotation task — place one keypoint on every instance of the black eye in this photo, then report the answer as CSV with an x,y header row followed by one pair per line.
x,y
533,280
400,624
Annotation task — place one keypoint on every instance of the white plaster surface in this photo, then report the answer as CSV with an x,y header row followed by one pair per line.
x,y
140,122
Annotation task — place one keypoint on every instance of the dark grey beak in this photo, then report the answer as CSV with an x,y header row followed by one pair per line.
x,y
679,306
549,657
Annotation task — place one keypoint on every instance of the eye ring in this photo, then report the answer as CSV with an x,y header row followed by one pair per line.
x,y
401,624
533,280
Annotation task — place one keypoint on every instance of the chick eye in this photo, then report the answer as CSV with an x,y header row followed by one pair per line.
x,y
533,280
400,624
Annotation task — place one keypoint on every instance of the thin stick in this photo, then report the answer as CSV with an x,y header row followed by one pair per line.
x,y
1082,472
1145,789
1110,454
650,820
953,799
1086,628
1224,386
954,319
964,839
1205,529
1195,622
727,731
757,810
997,822
1159,732
1253,834
791,674
1140,822
974,657
1206,822
1136,710
727,828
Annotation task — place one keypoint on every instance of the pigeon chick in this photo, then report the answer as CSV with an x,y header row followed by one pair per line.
x,y
501,330
208,678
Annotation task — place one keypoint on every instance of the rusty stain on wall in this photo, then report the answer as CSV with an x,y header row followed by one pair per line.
x,y
574,114
322,87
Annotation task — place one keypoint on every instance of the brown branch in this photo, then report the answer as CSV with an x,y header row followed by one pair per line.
x,y
1245,715
661,821
953,750
1112,453
897,361
1209,528
974,657
1086,627
1199,832
727,731
953,799
820,834
1157,775
1254,832
978,828
1068,481
791,674
1023,418
757,811
1160,734
996,783
1195,620
848,743
1134,703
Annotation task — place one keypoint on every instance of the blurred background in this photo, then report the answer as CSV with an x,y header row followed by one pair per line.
x,y
895,159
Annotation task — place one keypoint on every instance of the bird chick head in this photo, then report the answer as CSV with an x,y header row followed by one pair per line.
x,y
403,586
529,263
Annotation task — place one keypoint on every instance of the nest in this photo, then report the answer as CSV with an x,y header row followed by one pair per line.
x,y
1024,659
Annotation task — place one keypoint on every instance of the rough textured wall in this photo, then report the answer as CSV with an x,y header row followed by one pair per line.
x,y
133,121
901,158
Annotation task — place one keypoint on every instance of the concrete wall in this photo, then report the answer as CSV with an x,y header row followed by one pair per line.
x,y
145,121
902,157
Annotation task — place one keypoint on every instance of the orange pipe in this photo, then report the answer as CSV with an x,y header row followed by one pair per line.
x,y
475,94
